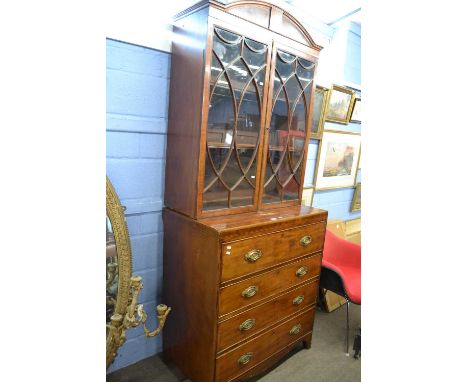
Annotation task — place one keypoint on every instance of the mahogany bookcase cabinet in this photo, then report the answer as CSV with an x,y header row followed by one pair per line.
x,y
242,257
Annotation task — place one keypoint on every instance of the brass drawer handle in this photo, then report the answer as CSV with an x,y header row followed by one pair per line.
x,y
295,329
245,359
298,300
302,271
306,240
250,291
253,255
247,325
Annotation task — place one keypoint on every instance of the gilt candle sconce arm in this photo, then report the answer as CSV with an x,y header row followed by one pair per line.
x,y
122,289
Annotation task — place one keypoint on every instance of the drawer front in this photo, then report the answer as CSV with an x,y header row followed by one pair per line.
x,y
257,288
251,353
254,254
295,328
246,356
297,299
250,322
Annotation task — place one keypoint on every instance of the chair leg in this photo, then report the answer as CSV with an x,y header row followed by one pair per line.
x,y
347,327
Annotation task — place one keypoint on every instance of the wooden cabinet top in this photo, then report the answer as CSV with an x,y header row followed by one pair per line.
x,y
262,13
239,226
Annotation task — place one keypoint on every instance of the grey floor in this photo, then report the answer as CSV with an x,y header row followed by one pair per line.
x,y
325,361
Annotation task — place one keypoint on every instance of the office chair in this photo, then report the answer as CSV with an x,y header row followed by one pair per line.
x,y
341,273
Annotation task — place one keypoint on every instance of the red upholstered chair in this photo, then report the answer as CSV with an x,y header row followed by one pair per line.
x,y
341,272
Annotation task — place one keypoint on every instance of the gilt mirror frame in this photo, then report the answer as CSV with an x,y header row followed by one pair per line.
x,y
115,213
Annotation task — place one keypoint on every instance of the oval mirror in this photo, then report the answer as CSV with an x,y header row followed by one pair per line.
x,y
122,309
118,269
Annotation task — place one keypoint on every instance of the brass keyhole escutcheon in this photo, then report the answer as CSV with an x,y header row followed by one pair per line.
x,y
245,359
250,291
302,271
253,255
295,329
306,240
298,300
247,325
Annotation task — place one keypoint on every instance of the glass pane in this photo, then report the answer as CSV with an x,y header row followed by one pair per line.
x,y
297,133
306,63
248,120
216,197
239,75
216,70
305,74
242,195
247,159
255,46
254,58
259,79
279,123
221,116
271,192
286,57
226,52
226,36
293,81
232,173
293,90
285,70
238,71
291,190
219,156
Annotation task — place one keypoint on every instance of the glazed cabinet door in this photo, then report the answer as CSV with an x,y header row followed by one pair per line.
x,y
288,124
235,124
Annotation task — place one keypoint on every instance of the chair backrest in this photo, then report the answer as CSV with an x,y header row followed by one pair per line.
x,y
339,251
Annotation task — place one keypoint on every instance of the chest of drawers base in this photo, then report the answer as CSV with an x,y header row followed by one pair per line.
x,y
242,289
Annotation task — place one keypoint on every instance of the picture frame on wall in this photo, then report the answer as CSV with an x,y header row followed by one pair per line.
x,y
318,113
356,111
338,160
339,104
356,202
307,196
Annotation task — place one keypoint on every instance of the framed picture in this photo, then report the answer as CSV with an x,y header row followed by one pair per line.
x,y
356,112
318,113
307,196
356,202
340,102
338,160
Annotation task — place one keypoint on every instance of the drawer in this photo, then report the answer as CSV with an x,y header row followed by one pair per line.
x,y
295,328
251,353
257,288
254,254
250,322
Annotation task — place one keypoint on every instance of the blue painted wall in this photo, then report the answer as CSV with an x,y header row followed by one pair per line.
x,y
137,107
338,201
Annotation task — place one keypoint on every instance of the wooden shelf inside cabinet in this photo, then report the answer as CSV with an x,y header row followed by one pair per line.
x,y
216,145
280,149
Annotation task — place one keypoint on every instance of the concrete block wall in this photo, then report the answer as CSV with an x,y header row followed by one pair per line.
x,y
137,108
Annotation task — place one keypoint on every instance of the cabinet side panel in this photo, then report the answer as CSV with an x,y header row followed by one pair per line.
x,y
185,105
191,279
